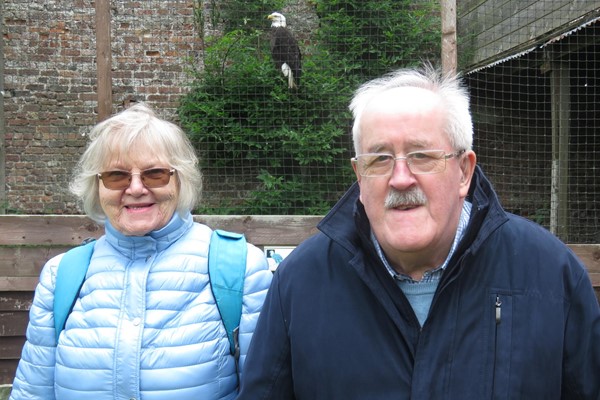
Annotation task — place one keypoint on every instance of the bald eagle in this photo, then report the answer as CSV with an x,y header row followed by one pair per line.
x,y
285,51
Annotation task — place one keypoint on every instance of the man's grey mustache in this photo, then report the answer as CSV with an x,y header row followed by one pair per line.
x,y
413,197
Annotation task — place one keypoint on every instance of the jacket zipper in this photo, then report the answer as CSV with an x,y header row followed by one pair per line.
x,y
498,313
498,310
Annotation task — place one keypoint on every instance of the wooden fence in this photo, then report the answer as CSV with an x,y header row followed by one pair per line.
x,y
28,241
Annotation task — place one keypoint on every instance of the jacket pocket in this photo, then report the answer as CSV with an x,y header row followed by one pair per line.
x,y
501,317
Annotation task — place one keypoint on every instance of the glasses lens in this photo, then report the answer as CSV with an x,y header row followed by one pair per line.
x,y
151,178
375,164
115,179
156,177
426,162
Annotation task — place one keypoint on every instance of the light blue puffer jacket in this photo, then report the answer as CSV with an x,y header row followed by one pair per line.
x,y
145,325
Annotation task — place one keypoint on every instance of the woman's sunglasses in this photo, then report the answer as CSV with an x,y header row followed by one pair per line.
x,y
151,178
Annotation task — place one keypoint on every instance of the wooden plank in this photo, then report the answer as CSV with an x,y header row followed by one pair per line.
x,y
103,59
70,230
589,254
499,29
49,230
55,234
7,371
449,55
13,323
26,261
595,278
18,283
10,347
261,230
559,187
16,300
3,123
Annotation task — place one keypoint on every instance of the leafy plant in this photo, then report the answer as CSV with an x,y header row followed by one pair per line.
x,y
373,37
292,146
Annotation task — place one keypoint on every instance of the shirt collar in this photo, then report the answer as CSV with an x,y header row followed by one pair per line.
x,y
435,273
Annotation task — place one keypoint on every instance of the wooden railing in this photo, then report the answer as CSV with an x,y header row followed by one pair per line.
x,y
28,241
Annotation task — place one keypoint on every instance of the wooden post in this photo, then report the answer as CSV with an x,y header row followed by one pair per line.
x,y
104,60
449,57
559,88
3,199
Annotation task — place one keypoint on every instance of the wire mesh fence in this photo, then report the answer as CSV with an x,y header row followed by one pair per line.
x,y
269,146
266,148
536,127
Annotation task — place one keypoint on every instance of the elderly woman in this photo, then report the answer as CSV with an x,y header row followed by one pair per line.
x,y
145,324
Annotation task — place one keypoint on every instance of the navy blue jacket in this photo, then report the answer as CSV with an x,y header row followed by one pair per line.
x,y
514,317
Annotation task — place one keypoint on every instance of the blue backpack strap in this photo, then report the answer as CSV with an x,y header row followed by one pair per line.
x,y
70,275
227,269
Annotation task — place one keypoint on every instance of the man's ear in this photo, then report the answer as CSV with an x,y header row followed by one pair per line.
x,y
355,168
358,178
467,168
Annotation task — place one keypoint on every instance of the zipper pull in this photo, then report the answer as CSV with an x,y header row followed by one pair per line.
x,y
498,309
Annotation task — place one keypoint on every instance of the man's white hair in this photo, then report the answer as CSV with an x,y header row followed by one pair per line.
x,y
449,87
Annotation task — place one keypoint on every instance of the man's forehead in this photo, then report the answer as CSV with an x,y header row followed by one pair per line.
x,y
401,99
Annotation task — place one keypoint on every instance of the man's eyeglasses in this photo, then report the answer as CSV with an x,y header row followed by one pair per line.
x,y
151,178
419,162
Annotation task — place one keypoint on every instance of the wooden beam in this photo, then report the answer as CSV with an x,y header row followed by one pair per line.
x,y
18,283
103,59
559,89
449,52
589,254
47,230
3,204
261,230
71,230
28,241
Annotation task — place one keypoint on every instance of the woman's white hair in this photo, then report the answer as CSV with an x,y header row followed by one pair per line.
x,y
120,134
449,87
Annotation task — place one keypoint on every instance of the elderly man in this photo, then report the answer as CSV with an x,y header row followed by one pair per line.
x,y
419,285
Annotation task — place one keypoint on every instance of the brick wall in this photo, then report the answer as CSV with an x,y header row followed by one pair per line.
x,y
50,99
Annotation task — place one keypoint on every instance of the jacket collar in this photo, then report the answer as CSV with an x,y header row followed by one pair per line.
x,y
155,241
487,214
338,223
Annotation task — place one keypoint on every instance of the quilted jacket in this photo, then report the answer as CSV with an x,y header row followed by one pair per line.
x,y
145,325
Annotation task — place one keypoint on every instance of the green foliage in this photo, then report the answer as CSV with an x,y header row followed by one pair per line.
x,y
241,113
373,37
5,391
248,15
295,144
232,15
5,208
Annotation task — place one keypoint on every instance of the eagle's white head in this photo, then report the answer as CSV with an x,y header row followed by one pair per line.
x,y
277,20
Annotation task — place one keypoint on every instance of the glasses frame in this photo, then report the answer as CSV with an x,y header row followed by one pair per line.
x,y
443,156
149,185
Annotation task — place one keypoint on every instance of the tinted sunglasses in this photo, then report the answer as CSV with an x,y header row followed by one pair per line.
x,y
151,178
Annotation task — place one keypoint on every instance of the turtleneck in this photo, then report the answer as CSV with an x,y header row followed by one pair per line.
x,y
155,241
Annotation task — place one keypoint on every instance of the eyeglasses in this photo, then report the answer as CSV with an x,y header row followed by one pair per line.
x,y
419,162
151,178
